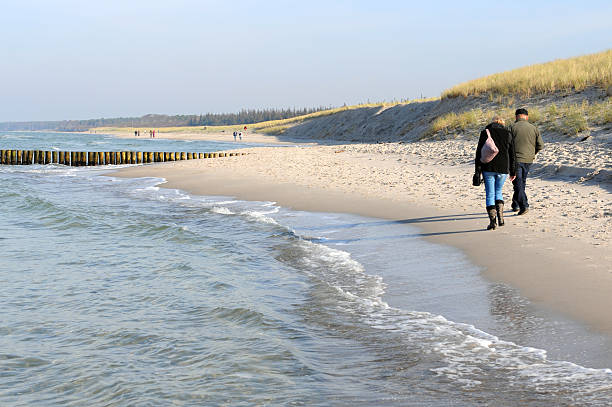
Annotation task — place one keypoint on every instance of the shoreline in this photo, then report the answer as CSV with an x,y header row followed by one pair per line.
x,y
550,266
248,138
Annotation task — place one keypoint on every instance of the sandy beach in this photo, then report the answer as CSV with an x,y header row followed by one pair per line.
x,y
215,136
558,255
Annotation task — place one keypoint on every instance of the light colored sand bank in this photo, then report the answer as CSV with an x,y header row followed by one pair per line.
x,y
247,137
558,255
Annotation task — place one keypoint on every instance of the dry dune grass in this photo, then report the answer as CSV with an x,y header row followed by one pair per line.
x,y
563,74
567,119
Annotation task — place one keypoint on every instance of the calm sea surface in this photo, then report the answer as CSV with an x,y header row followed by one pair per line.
x,y
116,292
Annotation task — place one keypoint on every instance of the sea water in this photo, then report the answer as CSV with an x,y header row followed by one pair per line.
x,y
120,292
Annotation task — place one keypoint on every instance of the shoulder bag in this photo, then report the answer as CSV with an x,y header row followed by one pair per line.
x,y
489,149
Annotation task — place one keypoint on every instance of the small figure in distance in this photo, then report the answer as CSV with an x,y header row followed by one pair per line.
x,y
235,134
528,143
495,170
240,135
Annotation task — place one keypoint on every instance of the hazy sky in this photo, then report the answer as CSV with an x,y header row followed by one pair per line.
x,y
90,59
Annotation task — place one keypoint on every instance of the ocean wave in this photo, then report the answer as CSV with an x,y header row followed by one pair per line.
x,y
146,189
221,210
260,216
54,169
470,357
9,361
51,214
240,316
15,137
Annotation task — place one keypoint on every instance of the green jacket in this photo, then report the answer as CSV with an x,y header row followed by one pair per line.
x,y
527,140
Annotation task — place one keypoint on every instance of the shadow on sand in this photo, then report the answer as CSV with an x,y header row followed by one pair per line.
x,y
444,218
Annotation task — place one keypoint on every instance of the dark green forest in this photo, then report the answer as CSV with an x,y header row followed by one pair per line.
x,y
160,120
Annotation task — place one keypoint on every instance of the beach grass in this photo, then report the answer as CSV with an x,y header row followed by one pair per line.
x,y
566,119
572,74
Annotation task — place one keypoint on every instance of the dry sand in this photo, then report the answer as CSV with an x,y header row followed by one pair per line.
x,y
558,254
227,137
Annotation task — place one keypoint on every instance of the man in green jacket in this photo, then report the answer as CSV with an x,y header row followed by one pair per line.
x,y
528,142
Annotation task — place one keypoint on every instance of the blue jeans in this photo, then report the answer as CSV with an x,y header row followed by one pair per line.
x,y
494,183
519,198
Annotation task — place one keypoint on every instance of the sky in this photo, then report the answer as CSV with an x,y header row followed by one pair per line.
x,y
62,59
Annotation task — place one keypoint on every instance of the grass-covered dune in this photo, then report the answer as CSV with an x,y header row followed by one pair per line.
x,y
572,74
566,97
560,118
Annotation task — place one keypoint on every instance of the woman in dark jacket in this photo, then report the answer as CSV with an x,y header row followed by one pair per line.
x,y
496,171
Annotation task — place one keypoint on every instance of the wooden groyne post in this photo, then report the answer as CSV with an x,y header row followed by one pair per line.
x,y
92,158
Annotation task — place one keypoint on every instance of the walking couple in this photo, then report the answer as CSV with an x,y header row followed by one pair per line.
x,y
517,146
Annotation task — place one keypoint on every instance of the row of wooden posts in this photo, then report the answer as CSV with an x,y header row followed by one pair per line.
x,y
83,158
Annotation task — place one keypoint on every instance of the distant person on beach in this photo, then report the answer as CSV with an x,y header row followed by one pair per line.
x,y
495,171
240,135
135,133
235,134
528,143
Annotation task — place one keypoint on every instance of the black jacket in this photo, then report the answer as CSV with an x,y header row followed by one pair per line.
x,y
505,161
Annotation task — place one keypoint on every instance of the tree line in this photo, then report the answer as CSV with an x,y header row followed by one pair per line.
x,y
245,116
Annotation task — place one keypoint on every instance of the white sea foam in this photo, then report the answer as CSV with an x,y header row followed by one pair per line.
x,y
224,202
260,217
147,189
221,210
45,169
15,137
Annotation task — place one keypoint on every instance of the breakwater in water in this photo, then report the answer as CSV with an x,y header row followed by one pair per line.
x,y
90,158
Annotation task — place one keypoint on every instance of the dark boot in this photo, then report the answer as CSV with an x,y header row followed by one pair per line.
x,y
492,217
499,207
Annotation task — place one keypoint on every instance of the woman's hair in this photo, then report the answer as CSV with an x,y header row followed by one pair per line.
x,y
498,119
